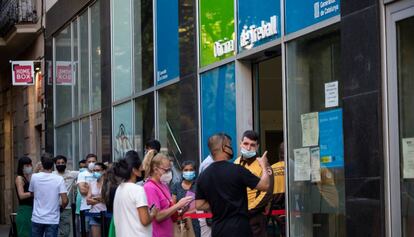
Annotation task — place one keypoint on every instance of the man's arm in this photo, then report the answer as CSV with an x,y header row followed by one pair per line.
x,y
65,201
83,188
202,204
264,182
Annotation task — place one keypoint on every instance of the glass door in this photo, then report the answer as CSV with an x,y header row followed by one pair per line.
x,y
400,51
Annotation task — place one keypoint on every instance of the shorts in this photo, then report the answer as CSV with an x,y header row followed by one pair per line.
x,y
94,220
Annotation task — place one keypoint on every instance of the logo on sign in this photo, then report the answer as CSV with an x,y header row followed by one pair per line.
x,y
23,73
323,8
223,47
252,34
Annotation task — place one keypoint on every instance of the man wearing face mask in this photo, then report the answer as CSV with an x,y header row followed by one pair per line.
x,y
257,200
69,177
222,188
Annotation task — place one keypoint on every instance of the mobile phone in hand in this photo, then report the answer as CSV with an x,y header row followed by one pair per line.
x,y
152,206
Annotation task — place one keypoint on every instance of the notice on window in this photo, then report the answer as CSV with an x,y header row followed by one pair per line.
x,y
310,129
331,141
302,164
408,158
331,94
315,165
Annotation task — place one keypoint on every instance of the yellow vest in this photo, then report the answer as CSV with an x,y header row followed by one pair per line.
x,y
279,175
253,196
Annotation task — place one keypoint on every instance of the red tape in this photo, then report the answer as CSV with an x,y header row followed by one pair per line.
x,y
210,215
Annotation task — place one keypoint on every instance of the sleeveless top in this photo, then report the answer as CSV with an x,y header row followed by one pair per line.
x,y
26,201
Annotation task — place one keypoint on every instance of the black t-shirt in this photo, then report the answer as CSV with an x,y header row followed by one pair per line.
x,y
223,185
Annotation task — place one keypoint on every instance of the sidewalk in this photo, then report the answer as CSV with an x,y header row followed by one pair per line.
x,y
4,230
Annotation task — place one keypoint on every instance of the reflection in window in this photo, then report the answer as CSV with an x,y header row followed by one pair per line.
x,y
121,48
143,45
84,63
122,130
317,209
63,70
144,122
85,137
406,116
96,56
64,143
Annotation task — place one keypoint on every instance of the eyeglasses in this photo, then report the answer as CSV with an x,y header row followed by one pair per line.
x,y
166,170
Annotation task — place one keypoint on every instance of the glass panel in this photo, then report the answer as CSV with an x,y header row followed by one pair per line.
x,y
76,81
218,104
96,56
144,121
64,143
317,199
63,70
85,137
122,47
76,157
122,130
143,45
405,51
178,122
84,63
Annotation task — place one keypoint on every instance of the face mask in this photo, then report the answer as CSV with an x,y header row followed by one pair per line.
x,y
60,168
91,166
229,154
82,169
247,154
97,175
140,178
189,175
27,170
166,178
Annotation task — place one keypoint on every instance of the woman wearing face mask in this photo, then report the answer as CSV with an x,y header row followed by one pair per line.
x,y
158,194
24,212
187,187
94,198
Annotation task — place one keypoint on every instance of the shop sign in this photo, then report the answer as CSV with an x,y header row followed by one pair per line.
x,y
167,47
258,23
303,13
216,30
64,73
22,73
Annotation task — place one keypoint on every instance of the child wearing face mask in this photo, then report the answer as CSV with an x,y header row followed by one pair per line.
x,y
187,187
158,194
95,200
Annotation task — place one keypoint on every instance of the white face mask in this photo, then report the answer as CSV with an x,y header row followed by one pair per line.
x,y
166,178
27,170
91,166
247,154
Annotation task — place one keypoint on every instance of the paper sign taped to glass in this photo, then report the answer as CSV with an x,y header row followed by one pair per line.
x,y
408,158
331,138
302,164
310,129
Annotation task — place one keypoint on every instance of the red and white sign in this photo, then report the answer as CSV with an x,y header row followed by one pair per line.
x,y
22,73
64,74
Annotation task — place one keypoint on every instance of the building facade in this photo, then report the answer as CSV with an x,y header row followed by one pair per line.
x,y
22,121
331,79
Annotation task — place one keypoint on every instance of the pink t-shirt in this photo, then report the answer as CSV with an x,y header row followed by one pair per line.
x,y
162,200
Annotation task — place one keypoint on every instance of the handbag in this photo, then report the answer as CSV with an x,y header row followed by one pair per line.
x,y
175,215
184,228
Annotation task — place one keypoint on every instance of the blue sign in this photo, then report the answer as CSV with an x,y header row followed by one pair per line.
x,y
167,47
258,22
303,13
331,139
218,105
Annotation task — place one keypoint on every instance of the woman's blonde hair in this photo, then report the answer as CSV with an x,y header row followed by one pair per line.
x,y
156,161
147,162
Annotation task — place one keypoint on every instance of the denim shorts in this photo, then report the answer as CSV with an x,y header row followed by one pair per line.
x,y
94,220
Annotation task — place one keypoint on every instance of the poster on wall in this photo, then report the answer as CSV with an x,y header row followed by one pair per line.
x,y
166,38
408,158
22,73
331,138
217,34
258,23
303,13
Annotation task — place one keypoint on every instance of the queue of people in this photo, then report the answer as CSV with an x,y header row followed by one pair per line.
x,y
141,198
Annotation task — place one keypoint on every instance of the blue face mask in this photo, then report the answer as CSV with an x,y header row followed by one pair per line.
x,y
82,169
189,175
97,175
247,154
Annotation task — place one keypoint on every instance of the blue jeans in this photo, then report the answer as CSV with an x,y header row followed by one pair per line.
x,y
49,230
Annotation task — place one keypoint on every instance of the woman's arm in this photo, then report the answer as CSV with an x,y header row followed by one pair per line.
x,y
20,190
89,199
166,213
144,216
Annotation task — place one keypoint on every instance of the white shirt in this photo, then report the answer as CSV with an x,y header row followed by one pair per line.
x,y
85,177
69,177
128,198
206,163
46,188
